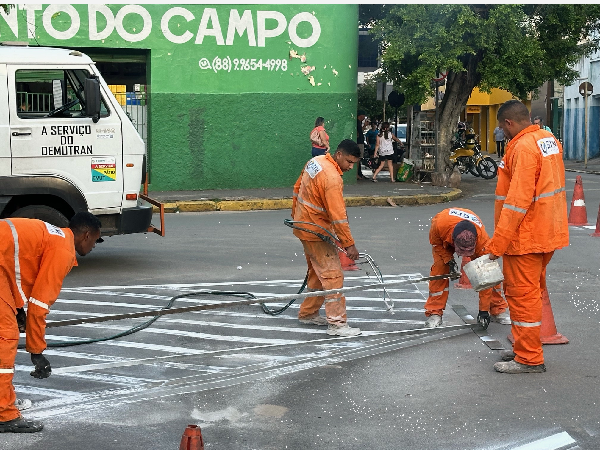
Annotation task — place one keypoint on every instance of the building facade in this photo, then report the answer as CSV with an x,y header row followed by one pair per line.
x,y
231,91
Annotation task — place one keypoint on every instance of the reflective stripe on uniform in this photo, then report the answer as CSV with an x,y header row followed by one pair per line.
x,y
310,205
527,324
17,264
549,194
515,208
435,294
340,221
7,370
501,197
334,299
39,303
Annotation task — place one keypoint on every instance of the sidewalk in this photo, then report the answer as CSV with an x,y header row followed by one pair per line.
x,y
363,193
593,166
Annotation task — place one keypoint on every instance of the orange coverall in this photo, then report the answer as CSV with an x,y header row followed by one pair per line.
x,y
318,198
531,222
35,257
440,237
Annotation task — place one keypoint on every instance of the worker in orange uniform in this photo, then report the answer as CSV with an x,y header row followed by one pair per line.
x,y
531,223
459,230
318,199
35,257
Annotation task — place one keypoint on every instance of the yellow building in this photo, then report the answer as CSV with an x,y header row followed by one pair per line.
x,y
480,113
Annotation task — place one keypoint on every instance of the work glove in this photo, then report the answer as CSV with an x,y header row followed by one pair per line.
x,y
483,319
21,319
42,366
453,266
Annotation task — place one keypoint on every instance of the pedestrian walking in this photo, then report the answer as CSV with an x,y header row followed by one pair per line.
x,y
319,138
35,257
530,224
537,120
460,231
384,149
318,202
500,142
360,140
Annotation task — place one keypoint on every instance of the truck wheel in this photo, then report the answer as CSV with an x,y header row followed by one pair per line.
x,y
42,212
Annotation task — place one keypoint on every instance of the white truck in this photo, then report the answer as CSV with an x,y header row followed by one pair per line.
x,y
66,145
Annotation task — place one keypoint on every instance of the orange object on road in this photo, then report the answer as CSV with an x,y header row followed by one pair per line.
x,y
578,212
440,237
192,438
463,282
35,257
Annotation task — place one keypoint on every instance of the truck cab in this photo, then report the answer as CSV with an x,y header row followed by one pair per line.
x,y
66,145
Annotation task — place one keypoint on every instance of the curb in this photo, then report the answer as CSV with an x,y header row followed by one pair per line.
x,y
286,203
593,172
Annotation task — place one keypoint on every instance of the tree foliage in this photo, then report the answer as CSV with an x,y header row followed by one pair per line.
x,y
513,47
367,101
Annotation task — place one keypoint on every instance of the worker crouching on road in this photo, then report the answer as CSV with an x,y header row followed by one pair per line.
x,y
318,199
530,214
459,230
35,257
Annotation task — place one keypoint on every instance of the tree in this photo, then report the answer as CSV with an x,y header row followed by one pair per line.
x,y
367,101
513,47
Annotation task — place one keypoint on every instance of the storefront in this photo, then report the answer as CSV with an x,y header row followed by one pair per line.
x,y
228,93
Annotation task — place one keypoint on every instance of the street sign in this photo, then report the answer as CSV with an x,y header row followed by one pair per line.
x,y
395,99
586,89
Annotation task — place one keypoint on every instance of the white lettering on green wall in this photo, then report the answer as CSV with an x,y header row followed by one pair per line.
x,y
53,10
258,27
164,25
238,25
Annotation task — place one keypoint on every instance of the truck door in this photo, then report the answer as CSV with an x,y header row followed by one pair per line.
x,y
51,136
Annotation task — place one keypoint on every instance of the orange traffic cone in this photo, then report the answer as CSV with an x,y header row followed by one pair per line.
x,y
597,232
578,213
192,439
548,331
463,282
347,263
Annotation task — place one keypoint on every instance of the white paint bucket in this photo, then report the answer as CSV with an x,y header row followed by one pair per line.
x,y
483,273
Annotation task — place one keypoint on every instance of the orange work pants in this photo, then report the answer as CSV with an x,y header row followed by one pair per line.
x,y
524,280
9,339
489,299
324,272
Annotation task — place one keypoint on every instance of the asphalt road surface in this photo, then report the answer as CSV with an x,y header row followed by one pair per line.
x,y
254,381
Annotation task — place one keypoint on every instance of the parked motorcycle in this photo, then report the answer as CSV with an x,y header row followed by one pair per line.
x,y
466,155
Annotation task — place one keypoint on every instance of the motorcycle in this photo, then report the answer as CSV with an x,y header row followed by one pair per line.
x,y
466,155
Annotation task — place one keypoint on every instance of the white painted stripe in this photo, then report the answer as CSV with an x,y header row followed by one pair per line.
x,y
579,203
178,287
15,236
553,442
34,390
211,337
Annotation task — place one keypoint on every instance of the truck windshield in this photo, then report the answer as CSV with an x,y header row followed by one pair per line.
x,y
52,93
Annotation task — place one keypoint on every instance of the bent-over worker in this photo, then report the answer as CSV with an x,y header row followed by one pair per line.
x,y
318,199
459,230
35,257
530,214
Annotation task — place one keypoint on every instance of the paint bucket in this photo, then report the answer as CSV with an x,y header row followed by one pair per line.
x,y
483,273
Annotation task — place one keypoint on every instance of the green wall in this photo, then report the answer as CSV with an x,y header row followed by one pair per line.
x,y
212,126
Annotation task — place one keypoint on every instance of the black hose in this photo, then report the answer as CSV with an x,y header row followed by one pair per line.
x,y
276,312
147,323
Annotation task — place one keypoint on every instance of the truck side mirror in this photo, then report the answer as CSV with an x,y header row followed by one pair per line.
x,y
92,98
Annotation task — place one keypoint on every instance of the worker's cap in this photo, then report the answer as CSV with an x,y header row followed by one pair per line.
x,y
464,237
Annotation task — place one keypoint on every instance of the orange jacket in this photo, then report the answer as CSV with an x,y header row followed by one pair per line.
x,y
35,257
530,211
442,226
318,198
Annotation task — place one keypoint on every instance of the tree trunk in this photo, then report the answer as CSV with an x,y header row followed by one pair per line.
x,y
459,86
